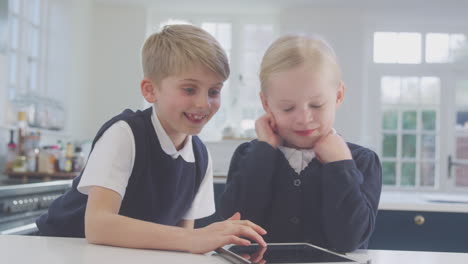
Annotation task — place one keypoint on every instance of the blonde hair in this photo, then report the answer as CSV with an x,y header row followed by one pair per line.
x,y
291,51
176,48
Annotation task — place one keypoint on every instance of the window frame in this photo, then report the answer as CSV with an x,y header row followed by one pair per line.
x,y
447,72
23,51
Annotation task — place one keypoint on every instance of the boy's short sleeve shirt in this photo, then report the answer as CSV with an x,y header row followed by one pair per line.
x,y
111,162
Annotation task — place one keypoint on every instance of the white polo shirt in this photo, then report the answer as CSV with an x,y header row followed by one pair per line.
x,y
111,163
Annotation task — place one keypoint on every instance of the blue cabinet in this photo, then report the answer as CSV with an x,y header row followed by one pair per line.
x,y
401,230
422,231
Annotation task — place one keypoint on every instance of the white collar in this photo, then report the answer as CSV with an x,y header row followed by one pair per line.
x,y
168,146
299,158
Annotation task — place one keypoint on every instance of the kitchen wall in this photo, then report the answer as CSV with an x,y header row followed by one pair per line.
x,y
115,71
94,55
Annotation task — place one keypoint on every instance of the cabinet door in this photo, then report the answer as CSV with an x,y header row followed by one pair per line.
x,y
421,231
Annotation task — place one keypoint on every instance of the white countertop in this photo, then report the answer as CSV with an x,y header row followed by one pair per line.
x,y
412,201
424,201
51,250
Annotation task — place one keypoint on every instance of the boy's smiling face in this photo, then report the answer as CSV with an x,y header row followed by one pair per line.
x,y
303,103
186,102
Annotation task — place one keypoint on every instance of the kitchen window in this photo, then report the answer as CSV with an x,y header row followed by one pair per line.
x,y
419,86
26,47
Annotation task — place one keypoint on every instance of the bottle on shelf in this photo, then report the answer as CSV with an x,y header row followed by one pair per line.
x,y
78,159
20,164
11,152
68,157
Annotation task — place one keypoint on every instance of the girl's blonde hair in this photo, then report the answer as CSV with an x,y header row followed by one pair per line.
x,y
176,48
291,51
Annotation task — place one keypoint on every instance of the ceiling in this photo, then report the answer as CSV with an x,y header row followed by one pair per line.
x,y
278,4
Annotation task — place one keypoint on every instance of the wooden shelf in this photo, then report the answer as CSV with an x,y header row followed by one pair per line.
x,y
42,175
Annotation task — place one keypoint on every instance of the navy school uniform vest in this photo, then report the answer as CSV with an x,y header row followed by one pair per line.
x,y
160,189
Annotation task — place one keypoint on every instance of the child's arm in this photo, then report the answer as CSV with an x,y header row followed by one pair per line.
x,y
249,183
248,188
351,187
103,225
190,224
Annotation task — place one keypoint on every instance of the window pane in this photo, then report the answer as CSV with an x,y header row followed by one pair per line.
x,y
221,31
210,28
461,176
462,121
408,174
257,37
458,47
384,47
410,90
462,148
409,146
390,120
14,6
13,67
34,11
250,65
14,32
427,173
437,48
390,88
34,42
428,146
388,173
409,48
224,35
430,90
462,93
428,120
389,145
409,120
32,76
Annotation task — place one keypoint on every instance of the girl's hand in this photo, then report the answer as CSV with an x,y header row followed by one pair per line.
x,y
332,147
231,231
265,127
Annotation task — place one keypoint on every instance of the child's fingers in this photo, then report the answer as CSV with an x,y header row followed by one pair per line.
x,y
254,226
246,256
235,216
248,232
233,239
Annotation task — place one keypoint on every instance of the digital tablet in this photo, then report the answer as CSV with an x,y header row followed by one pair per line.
x,y
284,253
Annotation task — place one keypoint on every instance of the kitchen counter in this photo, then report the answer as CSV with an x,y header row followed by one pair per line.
x,y
50,250
409,201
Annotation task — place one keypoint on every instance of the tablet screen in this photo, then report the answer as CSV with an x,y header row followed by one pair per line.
x,y
287,253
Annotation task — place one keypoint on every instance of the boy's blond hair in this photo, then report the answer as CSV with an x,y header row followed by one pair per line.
x,y
176,48
291,51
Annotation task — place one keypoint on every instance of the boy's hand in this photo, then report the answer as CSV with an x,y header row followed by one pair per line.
x,y
332,148
265,127
224,233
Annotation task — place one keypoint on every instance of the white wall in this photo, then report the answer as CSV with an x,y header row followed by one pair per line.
x,y
118,33
68,61
343,29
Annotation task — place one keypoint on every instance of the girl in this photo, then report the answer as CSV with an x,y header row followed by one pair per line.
x,y
300,180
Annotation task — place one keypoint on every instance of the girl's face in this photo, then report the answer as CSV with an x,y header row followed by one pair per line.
x,y
303,103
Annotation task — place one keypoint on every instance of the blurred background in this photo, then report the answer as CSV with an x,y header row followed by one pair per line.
x,y
71,65
67,66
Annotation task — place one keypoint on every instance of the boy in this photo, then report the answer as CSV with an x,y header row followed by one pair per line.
x,y
301,180
147,177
